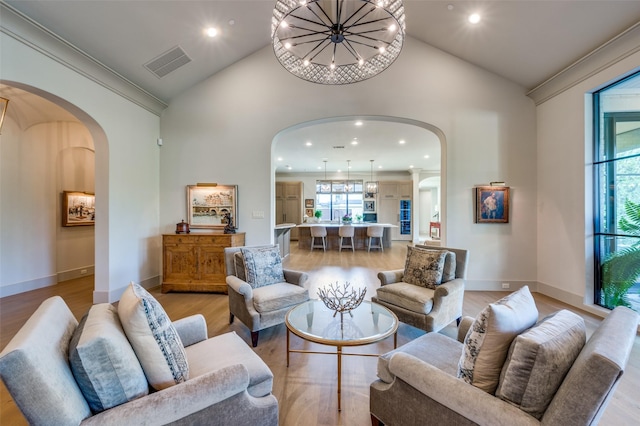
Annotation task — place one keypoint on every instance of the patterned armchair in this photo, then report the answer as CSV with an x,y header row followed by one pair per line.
x,y
261,292
428,292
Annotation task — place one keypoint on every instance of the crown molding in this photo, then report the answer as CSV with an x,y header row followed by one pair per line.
x,y
615,50
27,31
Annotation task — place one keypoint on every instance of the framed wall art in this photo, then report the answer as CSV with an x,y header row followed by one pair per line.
x,y
78,208
209,204
309,203
492,204
369,206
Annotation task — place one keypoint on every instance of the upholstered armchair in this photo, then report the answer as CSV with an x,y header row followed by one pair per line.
x,y
417,296
261,292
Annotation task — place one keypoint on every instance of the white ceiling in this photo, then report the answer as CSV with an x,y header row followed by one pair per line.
x,y
526,41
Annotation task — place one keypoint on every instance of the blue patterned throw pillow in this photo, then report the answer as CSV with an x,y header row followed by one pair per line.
x,y
263,265
153,337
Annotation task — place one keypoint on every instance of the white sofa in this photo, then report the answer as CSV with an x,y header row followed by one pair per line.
x,y
228,383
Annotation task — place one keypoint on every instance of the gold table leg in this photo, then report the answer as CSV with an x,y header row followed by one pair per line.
x,y
339,375
288,346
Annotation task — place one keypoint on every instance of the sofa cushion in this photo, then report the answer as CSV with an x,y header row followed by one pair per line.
x,y
424,267
449,270
411,297
229,349
278,296
538,361
437,349
488,340
263,265
103,362
153,337
238,261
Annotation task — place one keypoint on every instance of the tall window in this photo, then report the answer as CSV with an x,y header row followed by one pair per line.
x,y
617,194
337,198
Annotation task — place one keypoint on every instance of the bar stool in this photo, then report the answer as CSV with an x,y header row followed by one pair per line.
x,y
375,231
318,231
346,231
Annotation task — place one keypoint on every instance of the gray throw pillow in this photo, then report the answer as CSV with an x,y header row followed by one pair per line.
x,y
103,362
488,340
538,361
263,266
424,267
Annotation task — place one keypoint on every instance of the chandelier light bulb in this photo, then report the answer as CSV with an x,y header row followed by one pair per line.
x,y
392,27
305,63
212,32
332,66
382,49
360,62
287,45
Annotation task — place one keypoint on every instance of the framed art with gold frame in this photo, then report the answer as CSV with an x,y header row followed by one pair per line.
x,y
208,205
78,208
492,204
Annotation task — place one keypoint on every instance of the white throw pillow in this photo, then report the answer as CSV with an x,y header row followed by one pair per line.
x,y
488,340
153,337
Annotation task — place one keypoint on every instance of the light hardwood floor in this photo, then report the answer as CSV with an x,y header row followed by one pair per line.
x,y
306,390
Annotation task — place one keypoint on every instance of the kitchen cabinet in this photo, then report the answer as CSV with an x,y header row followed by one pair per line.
x,y
395,207
289,204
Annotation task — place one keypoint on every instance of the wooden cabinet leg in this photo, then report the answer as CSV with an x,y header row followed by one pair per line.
x,y
231,317
254,338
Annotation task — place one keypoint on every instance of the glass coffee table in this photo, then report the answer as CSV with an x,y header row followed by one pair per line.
x,y
313,321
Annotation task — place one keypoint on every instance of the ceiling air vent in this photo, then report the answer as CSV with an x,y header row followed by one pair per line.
x,y
168,62
338,147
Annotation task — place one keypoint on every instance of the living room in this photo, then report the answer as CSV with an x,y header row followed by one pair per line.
x,y
222,130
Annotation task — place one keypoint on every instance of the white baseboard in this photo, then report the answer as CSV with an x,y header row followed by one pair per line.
x,y
76,273
489,285
17,288
114,295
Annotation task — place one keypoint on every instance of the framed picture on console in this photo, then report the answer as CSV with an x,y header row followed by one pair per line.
x,y
492,204
209,204
78,208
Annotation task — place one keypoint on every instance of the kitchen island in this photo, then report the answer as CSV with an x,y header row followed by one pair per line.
x,y
333,240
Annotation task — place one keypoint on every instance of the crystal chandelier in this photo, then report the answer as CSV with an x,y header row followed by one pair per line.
x,y
337,41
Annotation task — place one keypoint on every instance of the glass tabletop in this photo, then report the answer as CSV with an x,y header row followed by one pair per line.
x,y
369,322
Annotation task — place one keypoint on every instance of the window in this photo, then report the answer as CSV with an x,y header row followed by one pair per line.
x,y
617,194
338,198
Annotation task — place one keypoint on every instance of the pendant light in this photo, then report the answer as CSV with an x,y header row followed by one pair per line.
x,y
371,187
348,187
325,186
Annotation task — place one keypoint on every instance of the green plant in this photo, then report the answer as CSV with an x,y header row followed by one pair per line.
x,y
621,269
318,214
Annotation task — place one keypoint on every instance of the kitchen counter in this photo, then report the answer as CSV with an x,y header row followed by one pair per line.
x,y
333,240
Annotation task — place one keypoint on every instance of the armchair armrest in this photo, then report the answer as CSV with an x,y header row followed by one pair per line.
x,y
453,393
179,401
295,277
240,287
390,277
191,329
465,324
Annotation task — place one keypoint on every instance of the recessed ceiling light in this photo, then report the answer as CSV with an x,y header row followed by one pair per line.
x,y
289,167
279,158
308,143
358,123
211,32
474,18
402,142
411,166
232,22
354,142
426,156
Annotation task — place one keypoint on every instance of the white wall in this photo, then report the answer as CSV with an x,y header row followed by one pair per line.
x,y
127,164
221,131
36,165
564,210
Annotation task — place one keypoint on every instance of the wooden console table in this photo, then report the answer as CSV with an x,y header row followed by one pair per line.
x,y
195,262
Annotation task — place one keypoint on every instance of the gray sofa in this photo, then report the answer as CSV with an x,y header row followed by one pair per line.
x,y
228,384
418,383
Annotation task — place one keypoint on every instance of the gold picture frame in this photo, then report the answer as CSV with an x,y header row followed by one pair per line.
x,y
492,204
4,104
209,204
78,208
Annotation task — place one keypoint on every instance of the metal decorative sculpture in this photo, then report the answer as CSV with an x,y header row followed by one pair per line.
x,y
229,228
341,299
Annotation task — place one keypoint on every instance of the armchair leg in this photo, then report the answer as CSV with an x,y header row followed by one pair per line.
x,y
375,421
254,338
231,317
458,321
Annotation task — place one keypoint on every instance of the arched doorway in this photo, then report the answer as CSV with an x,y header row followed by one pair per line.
x,y
404,148
49,146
